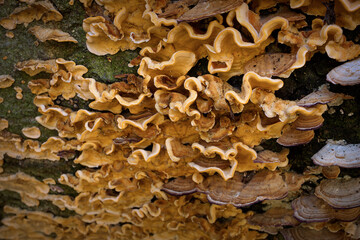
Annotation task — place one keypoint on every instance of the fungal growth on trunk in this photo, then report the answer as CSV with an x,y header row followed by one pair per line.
x,y
345,74
313,209
339,154
340,192
201,122
241,190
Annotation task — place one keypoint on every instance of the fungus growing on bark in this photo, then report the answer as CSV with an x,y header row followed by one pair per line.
x,y
330,172
3,124
345,74
205,9
298,233
340,192
18,91
6,81
304,123
274,219
193,135
33,11
271,64
248,190
30,189
293,137
313,209
31,132
338,153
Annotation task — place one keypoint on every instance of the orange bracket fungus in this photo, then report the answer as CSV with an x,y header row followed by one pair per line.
x,y
44,10
204,126
6,81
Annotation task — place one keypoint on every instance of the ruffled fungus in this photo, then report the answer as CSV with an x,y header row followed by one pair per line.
x,y
205,9
171,153
6,81
30,189
34,11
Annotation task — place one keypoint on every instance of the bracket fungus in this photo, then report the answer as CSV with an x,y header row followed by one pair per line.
x,y
340,192
313,209
298,233
345,74
241,190
44,10
31,132
6,81
30,189
170,150
339,154
274,219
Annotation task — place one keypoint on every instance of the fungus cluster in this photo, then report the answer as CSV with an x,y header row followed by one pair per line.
x,y
169,154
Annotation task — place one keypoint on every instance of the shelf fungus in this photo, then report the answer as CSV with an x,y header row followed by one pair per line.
x,y
170,150
31,132
271,64
6,81
274,219
293,137
44,10
30,189
340,192
330,172
313,209
241,190
345,74
338,153
298,233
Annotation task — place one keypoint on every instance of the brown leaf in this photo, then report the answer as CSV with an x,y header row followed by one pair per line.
x,y
271,64
209,8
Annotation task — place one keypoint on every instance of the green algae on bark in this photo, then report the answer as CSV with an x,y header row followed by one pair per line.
x,y
24,46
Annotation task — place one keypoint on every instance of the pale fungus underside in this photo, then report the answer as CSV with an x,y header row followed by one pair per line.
x,y
189,119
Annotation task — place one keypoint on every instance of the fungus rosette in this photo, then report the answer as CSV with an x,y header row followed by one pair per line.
x,y
167,153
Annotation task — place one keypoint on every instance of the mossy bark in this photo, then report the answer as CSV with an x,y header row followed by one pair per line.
x,y
343,124
21,113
